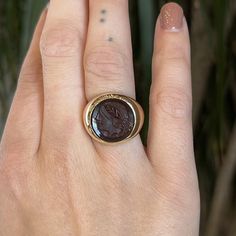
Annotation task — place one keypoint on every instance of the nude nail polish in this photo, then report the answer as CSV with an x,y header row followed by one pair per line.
x,y
171,17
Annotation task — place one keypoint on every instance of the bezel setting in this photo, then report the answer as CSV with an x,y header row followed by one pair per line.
x,y
135,107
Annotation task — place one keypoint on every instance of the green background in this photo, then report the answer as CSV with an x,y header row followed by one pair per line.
x,y
212,26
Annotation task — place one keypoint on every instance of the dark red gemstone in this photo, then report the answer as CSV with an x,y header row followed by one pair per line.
x,y
113,120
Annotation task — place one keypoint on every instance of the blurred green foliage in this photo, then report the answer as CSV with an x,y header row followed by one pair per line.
x,y
212,25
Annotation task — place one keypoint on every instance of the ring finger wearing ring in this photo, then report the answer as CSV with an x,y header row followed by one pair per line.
x,y
113,118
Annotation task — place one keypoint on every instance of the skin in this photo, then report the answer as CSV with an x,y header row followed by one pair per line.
x,y
55,180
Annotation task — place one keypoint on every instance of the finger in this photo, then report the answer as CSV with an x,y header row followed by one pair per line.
x,y
23,128
62,46
108,56
170,141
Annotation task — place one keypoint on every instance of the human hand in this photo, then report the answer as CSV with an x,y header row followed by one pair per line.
x,y
54,179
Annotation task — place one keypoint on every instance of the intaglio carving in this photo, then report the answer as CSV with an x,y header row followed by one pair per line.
x,y
113,120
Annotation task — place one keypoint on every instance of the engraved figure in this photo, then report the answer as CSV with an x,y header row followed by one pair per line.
x,y
114,120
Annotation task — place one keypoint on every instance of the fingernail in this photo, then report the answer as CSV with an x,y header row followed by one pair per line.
x,y
171,17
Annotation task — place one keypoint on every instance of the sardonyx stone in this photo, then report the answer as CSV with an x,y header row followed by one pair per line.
x,y
113,120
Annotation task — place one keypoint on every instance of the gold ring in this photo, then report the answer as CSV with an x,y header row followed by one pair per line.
x,y
113,118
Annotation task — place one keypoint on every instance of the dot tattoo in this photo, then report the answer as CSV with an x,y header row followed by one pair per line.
x,y
110,39
103,11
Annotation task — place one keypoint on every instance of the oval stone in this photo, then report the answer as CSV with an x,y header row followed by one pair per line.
x,y
112,120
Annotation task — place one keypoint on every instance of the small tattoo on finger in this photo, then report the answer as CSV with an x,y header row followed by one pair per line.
x,y
110,39
102,20
103,11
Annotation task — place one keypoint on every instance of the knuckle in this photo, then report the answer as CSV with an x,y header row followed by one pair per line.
x,y
13,175
31,73
180,69
180,190
61,155
173,53
105,62
60,41
13,146
174,103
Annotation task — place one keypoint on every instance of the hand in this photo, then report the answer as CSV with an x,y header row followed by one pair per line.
x,y
55,180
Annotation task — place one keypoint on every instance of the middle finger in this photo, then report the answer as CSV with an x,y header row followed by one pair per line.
x,y
108,61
